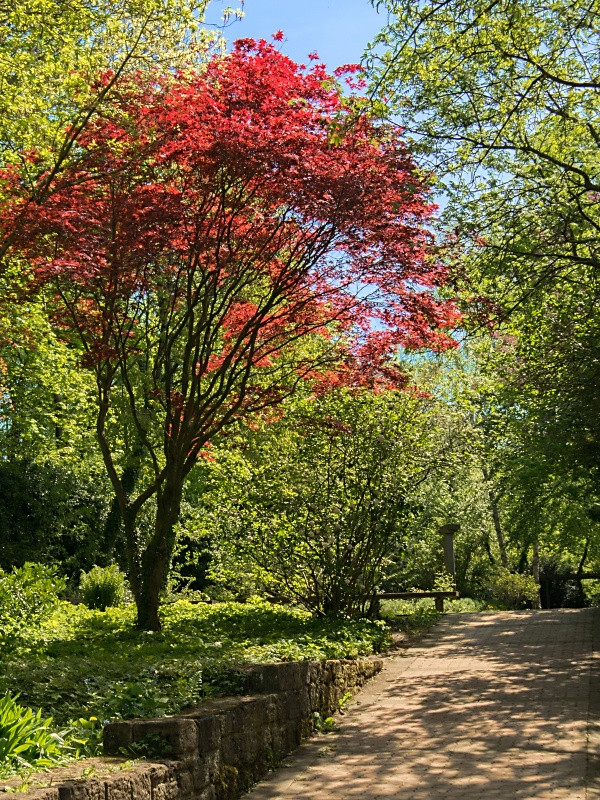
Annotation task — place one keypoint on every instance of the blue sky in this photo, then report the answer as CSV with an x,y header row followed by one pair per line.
x,y
338,30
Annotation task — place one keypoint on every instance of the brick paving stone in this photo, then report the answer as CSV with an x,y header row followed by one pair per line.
x,y
490,706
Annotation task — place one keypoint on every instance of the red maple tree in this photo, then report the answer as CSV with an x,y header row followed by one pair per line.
x,y
220,237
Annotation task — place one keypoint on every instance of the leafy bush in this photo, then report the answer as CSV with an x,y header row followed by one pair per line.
x,y
410,616
102,587
464,605
314,506
84,737
27,595
592,592
444,582
510,589
51,512
26,739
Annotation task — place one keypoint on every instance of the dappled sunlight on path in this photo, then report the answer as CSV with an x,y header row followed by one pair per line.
x,y
488,706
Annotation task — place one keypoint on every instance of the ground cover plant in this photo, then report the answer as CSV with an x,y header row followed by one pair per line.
x,y
26,738
27,596
412,615
82,664
65,669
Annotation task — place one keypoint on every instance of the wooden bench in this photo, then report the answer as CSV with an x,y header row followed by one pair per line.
x,y
439,597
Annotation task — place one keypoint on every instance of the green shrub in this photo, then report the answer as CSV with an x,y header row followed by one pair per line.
x,y
28,594
511,590
409,616
102,587
592,592
444,582
26,739
464,605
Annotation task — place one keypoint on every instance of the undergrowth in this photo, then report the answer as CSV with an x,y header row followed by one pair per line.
x,y
80,664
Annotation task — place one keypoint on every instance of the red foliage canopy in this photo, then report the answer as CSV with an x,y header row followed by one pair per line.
x,y
211,220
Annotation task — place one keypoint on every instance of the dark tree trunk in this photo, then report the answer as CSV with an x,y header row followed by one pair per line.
x,y
113,522
58,431
156,557
535,568
498,528
584,556
496,518
131,548
148,603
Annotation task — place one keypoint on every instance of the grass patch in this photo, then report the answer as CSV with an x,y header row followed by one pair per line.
x,y
80,663
408,616
413,616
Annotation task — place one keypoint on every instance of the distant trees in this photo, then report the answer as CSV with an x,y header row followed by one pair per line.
x,y
521,500
220,237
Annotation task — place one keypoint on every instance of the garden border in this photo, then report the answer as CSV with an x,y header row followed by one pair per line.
x,y
219,749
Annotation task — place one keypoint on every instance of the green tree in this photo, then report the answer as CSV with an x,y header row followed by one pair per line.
x,y
474,425
521,502
53,489
59,63
502,101
318,506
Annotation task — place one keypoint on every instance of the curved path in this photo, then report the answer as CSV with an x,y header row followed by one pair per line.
x,y
490,706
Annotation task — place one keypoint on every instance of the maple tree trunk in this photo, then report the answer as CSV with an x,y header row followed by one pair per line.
x,y
156,557
332,602
133,561
114,520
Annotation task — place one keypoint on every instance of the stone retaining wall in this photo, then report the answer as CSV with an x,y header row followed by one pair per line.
x,y
218,750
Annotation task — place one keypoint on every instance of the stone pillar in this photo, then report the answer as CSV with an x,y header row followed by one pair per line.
x,y
448,532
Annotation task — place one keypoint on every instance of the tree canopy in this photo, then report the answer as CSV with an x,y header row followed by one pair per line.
x,y
502,100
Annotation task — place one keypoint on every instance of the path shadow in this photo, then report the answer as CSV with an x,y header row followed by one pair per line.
x,y
499,710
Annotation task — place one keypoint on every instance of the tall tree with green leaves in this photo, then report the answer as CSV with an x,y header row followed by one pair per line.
x,y
59,62
503,101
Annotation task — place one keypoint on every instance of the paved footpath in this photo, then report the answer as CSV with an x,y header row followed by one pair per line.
x,y
490,706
